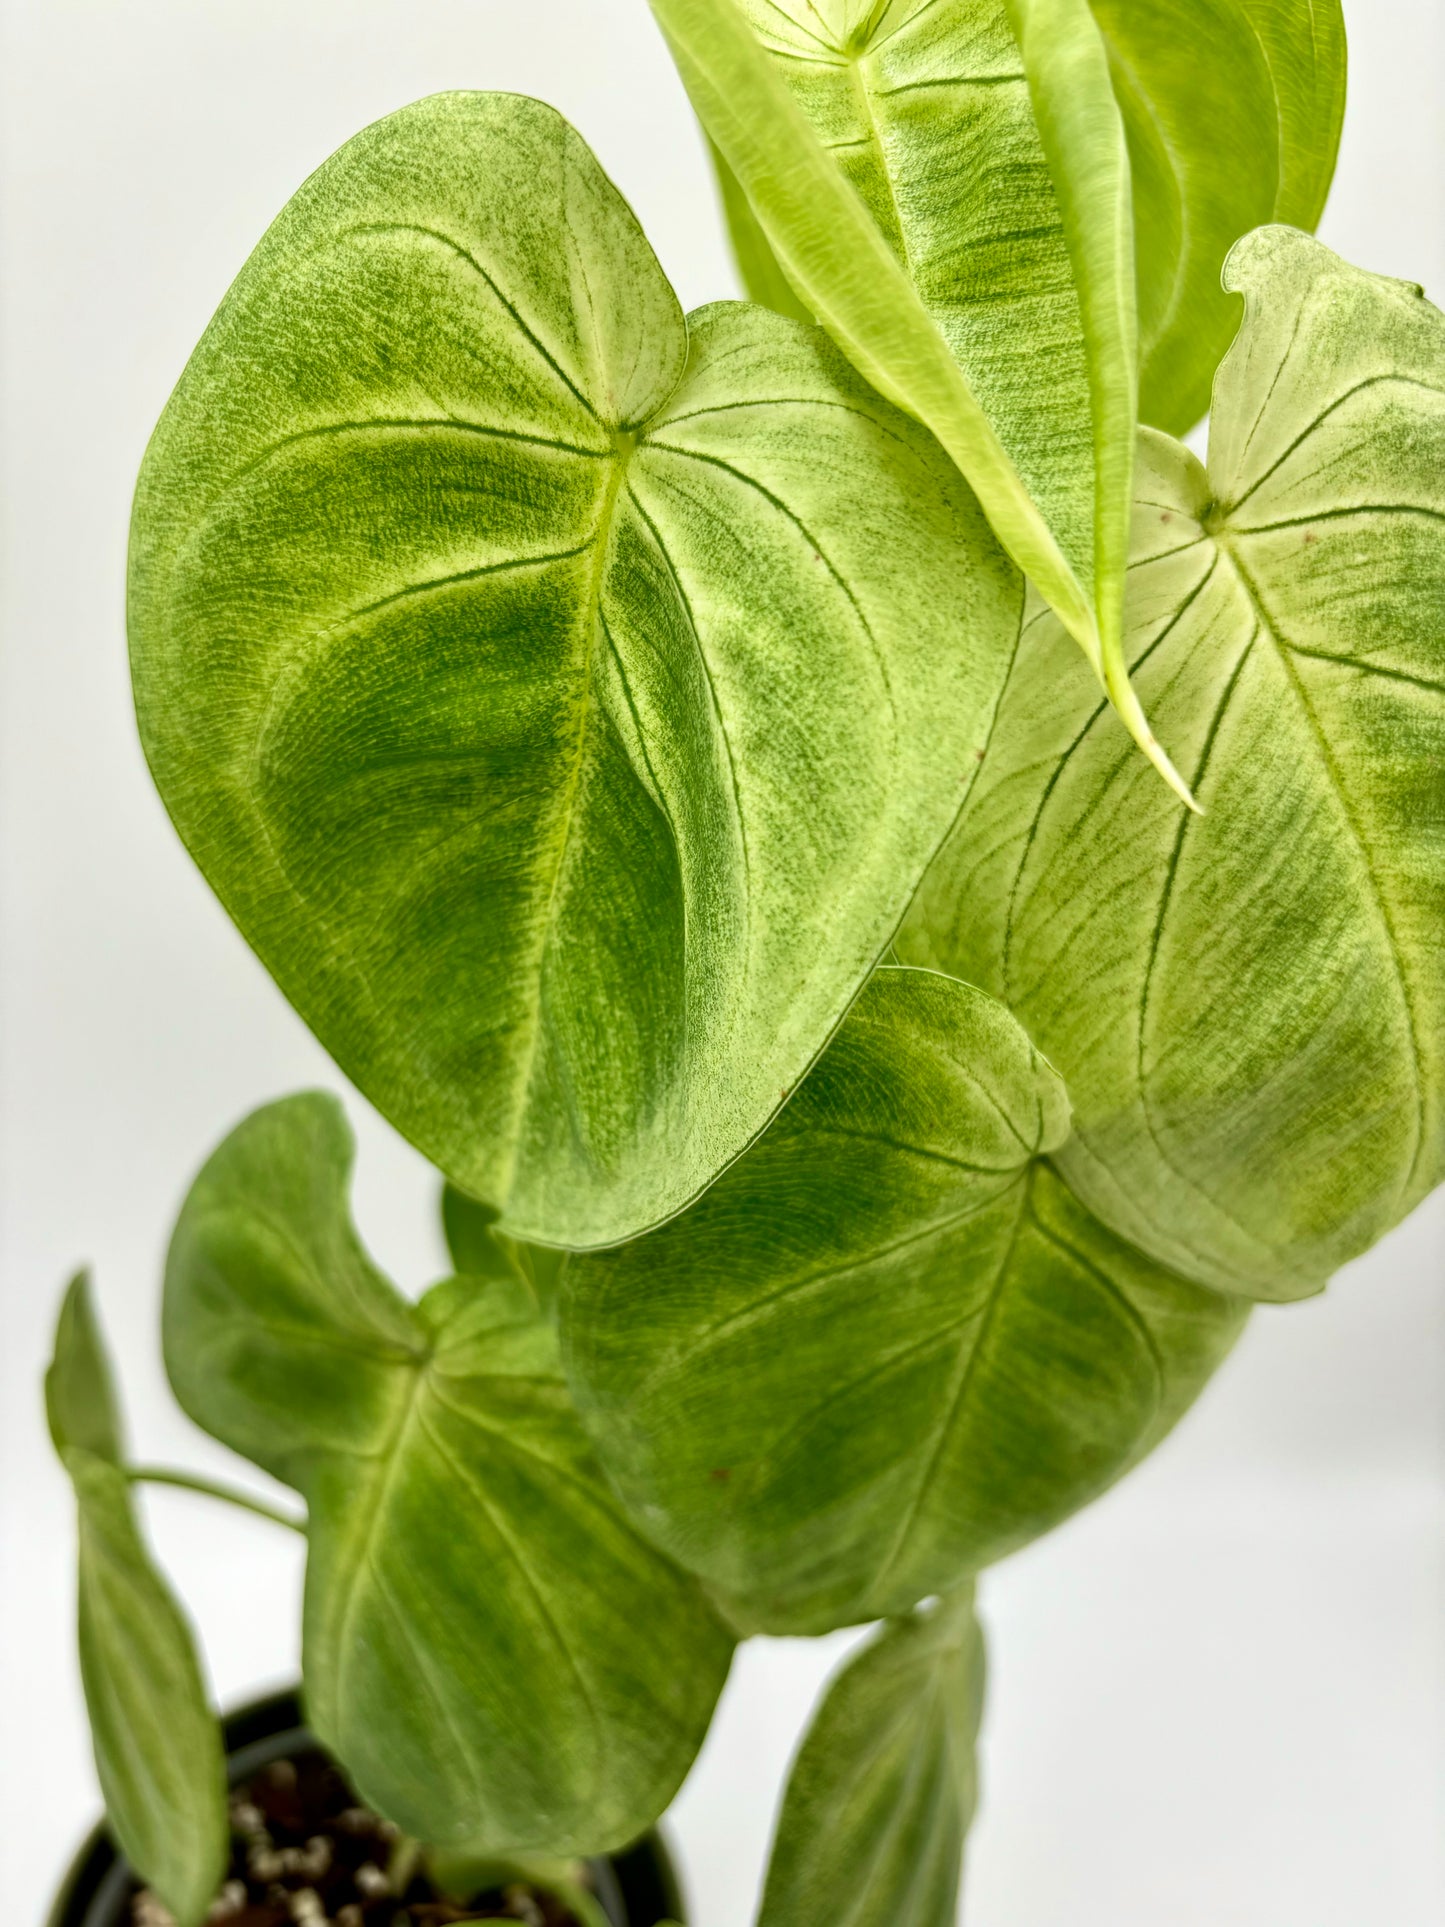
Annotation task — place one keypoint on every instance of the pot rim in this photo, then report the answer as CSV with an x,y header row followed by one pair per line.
x,y
638,1885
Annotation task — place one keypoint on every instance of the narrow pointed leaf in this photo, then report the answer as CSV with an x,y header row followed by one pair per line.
x,y
157,1743
1233,111
762,278
888,1346
1082,133
496,1656
564,700
890,156
1249,1008
883,1789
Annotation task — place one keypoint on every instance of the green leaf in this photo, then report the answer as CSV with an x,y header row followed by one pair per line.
x,y
565,701
157,1744
888,1346
480,1250
1261,82
884,1786
80,1402
1249,1008
1232,110
498,1658
757,265
891,157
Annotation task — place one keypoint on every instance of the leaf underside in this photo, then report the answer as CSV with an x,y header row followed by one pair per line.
x,y
1249,1008
563,699
1262,81
495,1655
889,1345
951,202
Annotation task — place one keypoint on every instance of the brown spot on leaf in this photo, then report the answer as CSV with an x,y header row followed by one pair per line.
x,y
720,1474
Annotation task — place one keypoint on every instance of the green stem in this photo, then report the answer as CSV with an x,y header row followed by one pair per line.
x,y
579,1901
404,1861
188,1482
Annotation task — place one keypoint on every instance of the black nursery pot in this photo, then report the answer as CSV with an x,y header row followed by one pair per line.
x,y
637,1888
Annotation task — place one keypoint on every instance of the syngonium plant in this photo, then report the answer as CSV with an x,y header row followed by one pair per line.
x,y
681,768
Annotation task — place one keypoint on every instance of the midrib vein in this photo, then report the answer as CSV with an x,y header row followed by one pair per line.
x,y
567,813
874,138
1375,888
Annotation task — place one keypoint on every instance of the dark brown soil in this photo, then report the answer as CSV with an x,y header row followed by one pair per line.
x,y
305,1854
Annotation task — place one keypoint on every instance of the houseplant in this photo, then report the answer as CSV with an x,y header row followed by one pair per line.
x,y
1268,1105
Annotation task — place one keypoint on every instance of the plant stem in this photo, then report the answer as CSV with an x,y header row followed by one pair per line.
x,y
188,1482
579,1901
404,1861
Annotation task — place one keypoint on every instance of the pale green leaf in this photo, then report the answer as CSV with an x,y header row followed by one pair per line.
x,y
884,1786
496,1656
564,701
891,157
1082,134
157,1744
1249,1008
762,278
888,1346
1232,110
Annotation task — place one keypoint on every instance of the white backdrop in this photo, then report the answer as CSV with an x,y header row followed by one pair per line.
x,y
1217,1698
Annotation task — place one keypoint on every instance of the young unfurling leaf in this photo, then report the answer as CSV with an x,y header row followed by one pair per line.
x,y
897,158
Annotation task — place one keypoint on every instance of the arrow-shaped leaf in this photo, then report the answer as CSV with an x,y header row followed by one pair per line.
x,y
157,1743
493,1652
883,1789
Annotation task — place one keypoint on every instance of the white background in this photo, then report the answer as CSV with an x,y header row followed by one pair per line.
x,y
1217,1698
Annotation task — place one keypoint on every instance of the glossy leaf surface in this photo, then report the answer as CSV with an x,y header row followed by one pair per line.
x,y
157,1744
496,1656
883,1789
888,1346
1232,110
891,157
564,700
1250,1007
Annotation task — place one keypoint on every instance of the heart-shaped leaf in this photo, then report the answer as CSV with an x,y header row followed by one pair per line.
x,y
493,1652
889,1345
949,194
157,1743
564,701
1249,1008
883,1789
